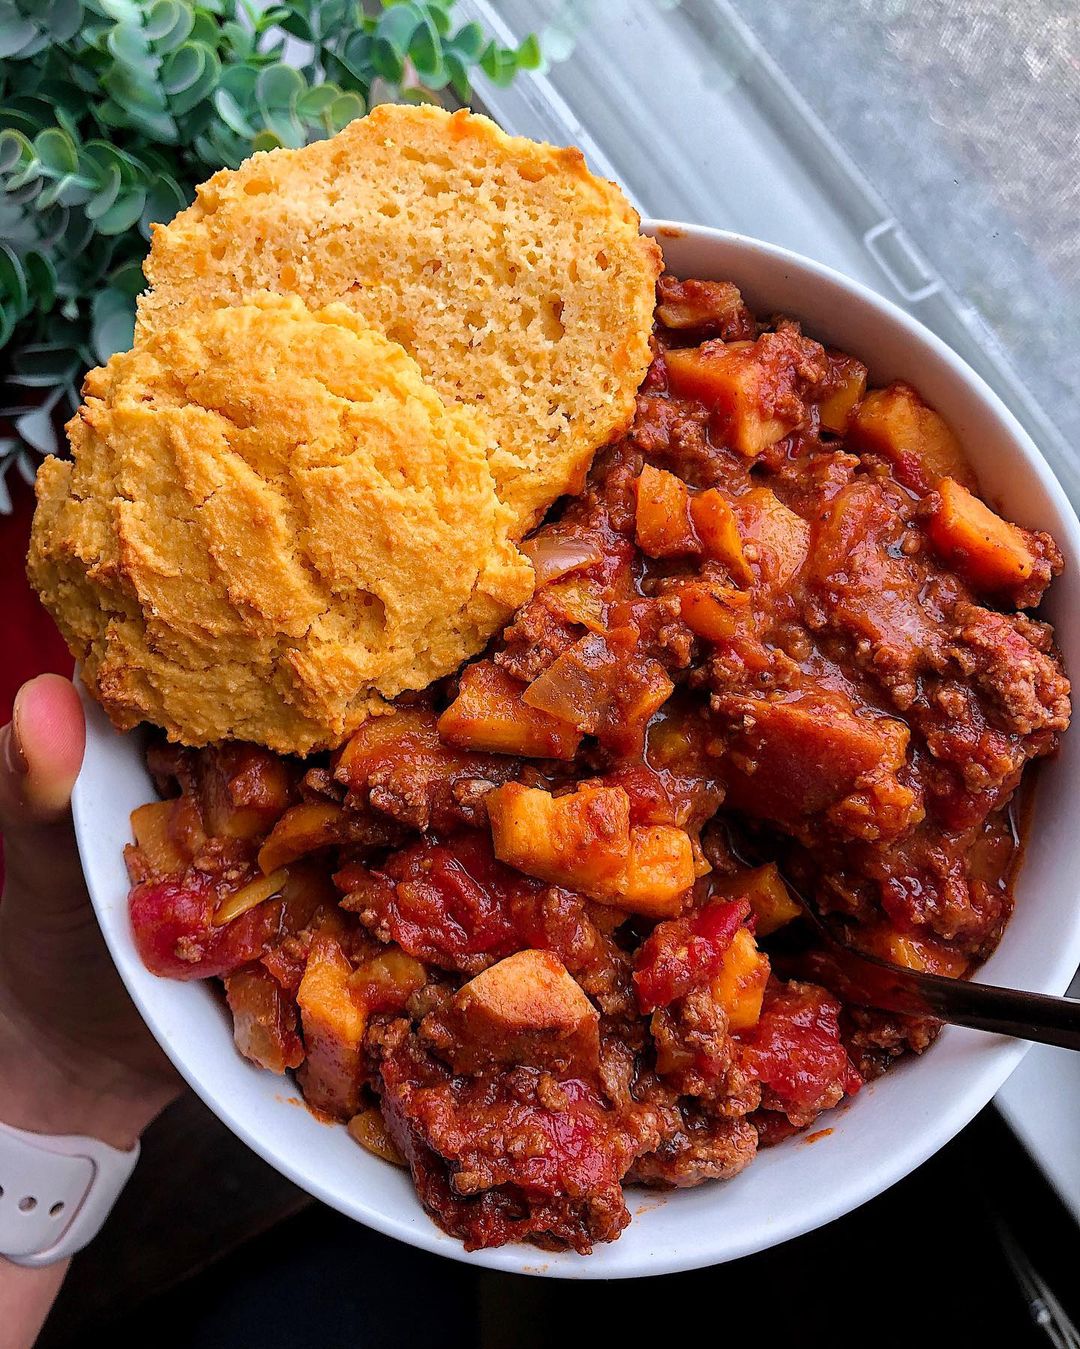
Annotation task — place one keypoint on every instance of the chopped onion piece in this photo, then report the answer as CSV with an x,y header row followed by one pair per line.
x,y
250,896
553,554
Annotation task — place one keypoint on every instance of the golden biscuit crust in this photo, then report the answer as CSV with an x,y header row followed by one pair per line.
x,y
270,525
517,279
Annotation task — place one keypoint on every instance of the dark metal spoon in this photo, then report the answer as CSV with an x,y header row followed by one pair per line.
x,y
893,988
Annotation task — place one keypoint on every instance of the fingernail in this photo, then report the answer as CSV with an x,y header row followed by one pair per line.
x,y
17,761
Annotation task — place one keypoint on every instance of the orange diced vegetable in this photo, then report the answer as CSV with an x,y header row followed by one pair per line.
x,y
579,840
333,1022
740,985
750,385
663,524
526,1009
716,306
242,790
920,445
915,953
369,1129
264,1019
798,758
387,981
659,872
152,826
989,552
577,599
771,902
489,714
583,840
717,528
302,829
712,612
845,384
774,537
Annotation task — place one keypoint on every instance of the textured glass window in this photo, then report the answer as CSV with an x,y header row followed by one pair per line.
x,y
930,149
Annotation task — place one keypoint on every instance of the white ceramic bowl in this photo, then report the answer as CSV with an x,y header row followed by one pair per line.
x,y
891,1126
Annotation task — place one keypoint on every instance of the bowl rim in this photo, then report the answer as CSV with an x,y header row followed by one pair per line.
x,y
995,1063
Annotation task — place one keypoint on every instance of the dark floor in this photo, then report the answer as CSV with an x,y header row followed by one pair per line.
x,y
920,1266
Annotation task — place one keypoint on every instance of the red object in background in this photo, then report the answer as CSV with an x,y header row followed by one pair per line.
x,y
29,640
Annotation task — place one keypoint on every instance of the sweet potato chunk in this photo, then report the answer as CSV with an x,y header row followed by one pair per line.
x,y
264,1019
770,901
713,307
753,387
489,714
524,1010
584,841
712,612
333,1024
659,871
739,987
242,790
662,518
718,529
844,385
992,554
369,1129
796,759
774,538
155,837
302,829
579,840
914,953
920,445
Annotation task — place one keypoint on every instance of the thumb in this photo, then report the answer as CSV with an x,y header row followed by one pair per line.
x,y
41,752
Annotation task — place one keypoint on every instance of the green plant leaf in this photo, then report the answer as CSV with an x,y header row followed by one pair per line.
x,y
467,44
279,86
14,149
16,32
529,55
122,214
183,67
231,113
105,196
13,280
345,108
112,323
40,280
56,151
63,19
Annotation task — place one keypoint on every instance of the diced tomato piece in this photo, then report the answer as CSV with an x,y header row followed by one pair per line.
x,y
796,1050
445,903
682,953
173,923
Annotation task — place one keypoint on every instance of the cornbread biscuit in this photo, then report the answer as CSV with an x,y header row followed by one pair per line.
x,y
271,523
517,279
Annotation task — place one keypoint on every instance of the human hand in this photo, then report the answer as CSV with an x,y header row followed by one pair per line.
x,y
74,1055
